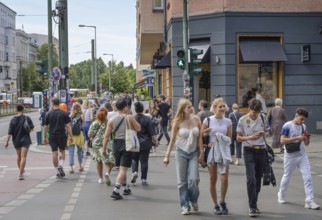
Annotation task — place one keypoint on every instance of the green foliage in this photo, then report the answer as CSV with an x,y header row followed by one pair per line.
x,y
143,91
147,98
43,54
121,77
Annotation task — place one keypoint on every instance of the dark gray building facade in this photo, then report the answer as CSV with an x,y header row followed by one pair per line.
x,y
278,53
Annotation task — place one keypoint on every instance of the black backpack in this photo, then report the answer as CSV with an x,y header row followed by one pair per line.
x,y
77,126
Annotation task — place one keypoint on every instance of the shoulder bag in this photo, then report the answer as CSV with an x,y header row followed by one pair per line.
x,y
90,142
131,139
26,125
294,146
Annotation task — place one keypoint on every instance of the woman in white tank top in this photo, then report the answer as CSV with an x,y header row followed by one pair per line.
x,y
217,124
185,135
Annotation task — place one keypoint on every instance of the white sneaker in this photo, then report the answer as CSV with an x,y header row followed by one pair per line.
x,y
107,178
195,207
100,181
311,205
280,198
134,177
185,211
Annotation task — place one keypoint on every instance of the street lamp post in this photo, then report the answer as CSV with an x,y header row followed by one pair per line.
x,y
109,77
95,54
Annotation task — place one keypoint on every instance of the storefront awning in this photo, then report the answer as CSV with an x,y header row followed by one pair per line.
x,y
165,62
261,50
205,56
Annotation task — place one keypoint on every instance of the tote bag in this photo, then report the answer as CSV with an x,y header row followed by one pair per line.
x,y
131,139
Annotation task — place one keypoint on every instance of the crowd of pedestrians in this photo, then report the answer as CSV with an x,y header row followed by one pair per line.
x,y
208,138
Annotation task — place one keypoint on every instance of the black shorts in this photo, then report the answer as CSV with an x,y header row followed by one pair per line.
x,y
57,141
122,157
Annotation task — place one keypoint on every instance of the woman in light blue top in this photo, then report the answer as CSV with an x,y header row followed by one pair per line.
x,y
185,135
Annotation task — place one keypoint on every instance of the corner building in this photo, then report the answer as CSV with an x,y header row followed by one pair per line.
x,y
272,45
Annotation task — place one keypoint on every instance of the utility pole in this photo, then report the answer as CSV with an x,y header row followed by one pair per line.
x,y
50,47
93,87
61,7
185,33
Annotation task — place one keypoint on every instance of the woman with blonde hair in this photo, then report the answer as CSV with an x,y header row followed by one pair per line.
x,y
219,130
78,137
185,136
88,118
96,133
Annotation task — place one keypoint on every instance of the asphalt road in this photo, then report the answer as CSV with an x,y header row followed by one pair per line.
x,y
79,196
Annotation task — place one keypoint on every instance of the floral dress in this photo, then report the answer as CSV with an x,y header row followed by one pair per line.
x,y
98,129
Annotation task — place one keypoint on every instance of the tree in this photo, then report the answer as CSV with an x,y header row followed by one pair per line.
x,y
43,54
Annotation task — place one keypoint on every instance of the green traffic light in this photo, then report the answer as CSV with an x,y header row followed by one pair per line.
x,y
181,58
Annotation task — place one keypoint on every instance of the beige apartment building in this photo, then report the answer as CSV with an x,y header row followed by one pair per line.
x,y
273,45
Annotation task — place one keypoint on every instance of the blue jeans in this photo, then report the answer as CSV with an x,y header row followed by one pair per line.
x,y
71,150
187,177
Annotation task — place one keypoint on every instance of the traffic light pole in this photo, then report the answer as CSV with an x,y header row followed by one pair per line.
x,y
50,48
185,33
61,6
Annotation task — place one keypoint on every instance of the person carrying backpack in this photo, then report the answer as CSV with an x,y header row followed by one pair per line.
x,y
78,137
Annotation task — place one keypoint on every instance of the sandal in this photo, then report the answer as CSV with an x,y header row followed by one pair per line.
x,y
81,169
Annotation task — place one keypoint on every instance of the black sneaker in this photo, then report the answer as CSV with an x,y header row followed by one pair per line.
x,y
88,153
58,176
258,212
61,171
217,210
116,196
224,208
252,212
127,192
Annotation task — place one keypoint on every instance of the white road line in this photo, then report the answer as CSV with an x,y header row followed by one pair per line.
x,y
6,210
69,208
15,203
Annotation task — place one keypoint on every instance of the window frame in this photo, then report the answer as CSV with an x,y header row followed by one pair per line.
x,y
279,66
158,8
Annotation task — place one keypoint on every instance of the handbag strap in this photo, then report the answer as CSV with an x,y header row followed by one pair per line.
x,y
264,130
128,120
97,131
119,124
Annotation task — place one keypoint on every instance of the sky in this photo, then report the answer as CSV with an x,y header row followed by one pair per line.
x,y
115,22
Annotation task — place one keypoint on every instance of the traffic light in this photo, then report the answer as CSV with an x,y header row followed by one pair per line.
x,y
43,67
181,59
45,100
194,69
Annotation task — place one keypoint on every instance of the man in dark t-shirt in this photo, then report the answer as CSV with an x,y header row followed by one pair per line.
x,y
58,122
164,110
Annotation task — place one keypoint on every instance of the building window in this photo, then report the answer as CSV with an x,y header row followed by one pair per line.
x,y
7,40
158,5
7,56
259,69
262,76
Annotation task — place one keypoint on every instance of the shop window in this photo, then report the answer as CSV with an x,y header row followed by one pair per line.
x,y
259,68
262,76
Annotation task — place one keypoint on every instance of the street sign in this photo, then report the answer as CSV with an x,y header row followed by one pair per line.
x,y
56,74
